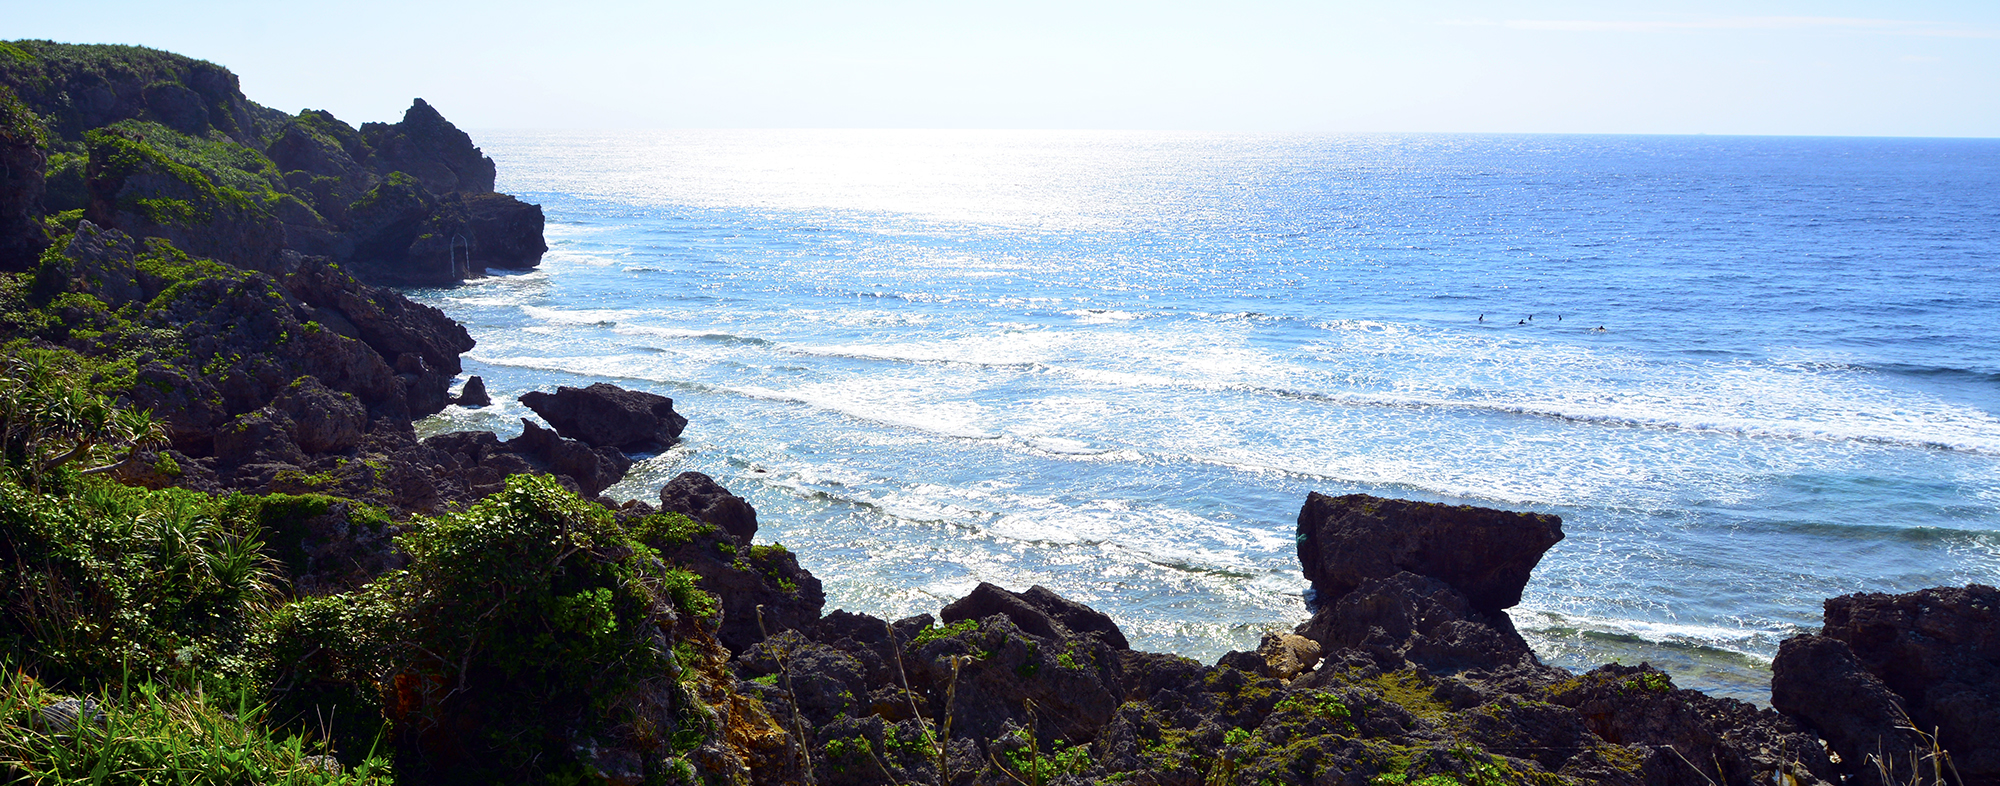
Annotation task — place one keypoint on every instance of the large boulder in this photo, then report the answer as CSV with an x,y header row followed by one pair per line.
x,y
1938,649
605,415
1484,554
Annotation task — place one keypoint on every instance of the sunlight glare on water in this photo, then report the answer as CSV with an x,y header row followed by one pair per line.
x,y
1115,363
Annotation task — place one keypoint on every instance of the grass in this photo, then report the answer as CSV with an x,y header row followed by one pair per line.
x,y
152,734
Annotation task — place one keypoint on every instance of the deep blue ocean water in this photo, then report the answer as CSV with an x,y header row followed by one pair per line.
x,y
1115,363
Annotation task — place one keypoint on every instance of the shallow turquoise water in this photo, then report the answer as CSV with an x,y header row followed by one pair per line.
x,y
1114,364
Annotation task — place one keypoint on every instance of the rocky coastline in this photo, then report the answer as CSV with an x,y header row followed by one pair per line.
x,y
477,611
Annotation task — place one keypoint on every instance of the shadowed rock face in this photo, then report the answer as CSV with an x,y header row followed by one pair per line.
x,y
605,415
1419,619
1484,554
1937,653
1420,582
699,497
1818,680
1037,611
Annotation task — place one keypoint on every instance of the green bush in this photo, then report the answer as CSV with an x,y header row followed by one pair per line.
x,y
107,579
522,625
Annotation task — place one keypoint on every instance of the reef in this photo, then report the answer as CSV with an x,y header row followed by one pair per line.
x,y
232,559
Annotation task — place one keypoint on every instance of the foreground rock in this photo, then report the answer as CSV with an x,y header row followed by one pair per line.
x,y
605,415
1887,671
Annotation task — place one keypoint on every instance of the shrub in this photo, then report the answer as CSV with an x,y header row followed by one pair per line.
x,y
522,627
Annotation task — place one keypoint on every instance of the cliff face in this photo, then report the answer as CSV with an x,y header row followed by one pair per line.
x,y
159,145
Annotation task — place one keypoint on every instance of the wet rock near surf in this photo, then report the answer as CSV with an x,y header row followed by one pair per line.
x,y
1927,660
605,415
1486,555
472,393
699,497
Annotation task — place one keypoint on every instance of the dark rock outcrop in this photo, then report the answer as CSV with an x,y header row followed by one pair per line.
x,y
473,393
1937,650
605,415
762,589
1419,582
1419,619
1818,680
699,497
484,462
1037,611
1690,738
431,149
507,232
1484,554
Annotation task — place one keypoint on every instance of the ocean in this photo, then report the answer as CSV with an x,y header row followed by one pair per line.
x,y
1748,373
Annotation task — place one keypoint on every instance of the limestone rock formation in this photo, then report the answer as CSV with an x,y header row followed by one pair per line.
x,y
1037,611
605,415
121,135
1937,651
699,497
1482,553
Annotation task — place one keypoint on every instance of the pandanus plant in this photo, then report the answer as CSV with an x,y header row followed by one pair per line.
x,y
46,421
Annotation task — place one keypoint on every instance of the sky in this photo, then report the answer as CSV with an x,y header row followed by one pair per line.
x,y
1856,68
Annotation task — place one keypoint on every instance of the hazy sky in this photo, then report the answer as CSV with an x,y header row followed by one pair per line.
x,y
1909,68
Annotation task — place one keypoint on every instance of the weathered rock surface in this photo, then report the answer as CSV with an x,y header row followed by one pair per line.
x,y
605,415
473,393
485,462
433,150
1288,655
699,497
1818,680
762,589
1484,554
1688,737
1937,650
1419,619
507,232
1037,611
